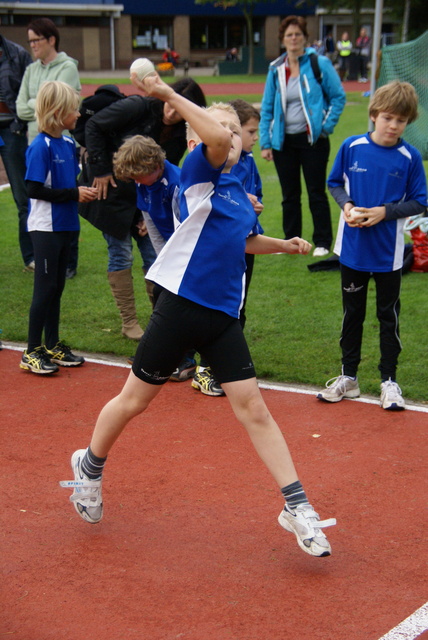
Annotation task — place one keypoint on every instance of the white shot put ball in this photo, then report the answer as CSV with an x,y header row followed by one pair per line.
x,y
356,214
142,67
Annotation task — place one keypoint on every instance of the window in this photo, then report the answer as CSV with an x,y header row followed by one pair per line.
x,y
151,33
222,33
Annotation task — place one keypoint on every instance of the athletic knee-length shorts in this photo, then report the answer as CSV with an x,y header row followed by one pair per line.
x,y
177,325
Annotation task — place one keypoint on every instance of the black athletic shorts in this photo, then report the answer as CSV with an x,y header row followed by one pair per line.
x,y
177,325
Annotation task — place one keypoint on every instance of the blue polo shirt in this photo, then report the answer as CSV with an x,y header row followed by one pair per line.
x,y
158,200
204,260
53,162
374,175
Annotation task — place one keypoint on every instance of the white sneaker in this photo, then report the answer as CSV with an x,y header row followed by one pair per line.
x,y
390,396
306,525
30,267
319,252
87,496
339,388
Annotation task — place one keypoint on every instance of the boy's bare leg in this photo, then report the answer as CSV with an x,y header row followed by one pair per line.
x,y
298,516
88,464
251,410
134,398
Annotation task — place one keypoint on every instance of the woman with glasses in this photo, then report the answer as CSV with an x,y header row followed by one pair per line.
x,y
50,64
302,102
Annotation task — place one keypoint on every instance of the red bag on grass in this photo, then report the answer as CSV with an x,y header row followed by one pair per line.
x,y
420,251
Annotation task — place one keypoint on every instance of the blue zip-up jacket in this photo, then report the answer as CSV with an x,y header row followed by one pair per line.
x,y
322,103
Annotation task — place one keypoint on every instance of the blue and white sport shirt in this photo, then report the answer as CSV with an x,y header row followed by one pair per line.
x,y
374,175
53,162
204,260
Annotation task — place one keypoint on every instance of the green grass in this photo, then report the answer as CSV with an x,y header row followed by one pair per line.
x,y
293,315
236,79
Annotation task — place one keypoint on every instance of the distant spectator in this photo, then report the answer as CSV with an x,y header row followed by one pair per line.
x,y
362,47
171,56
329,47
344,46
232,55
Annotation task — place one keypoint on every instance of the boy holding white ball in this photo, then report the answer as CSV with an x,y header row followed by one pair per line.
x,y
378,180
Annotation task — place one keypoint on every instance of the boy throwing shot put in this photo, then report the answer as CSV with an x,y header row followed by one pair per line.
x,y
201,270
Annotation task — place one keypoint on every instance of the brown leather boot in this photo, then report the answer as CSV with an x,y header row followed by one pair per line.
x,y
122,288
149,289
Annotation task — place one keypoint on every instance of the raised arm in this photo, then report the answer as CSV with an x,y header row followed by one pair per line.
x,y
209,130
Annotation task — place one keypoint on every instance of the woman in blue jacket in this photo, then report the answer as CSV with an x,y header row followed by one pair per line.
x,y
302,102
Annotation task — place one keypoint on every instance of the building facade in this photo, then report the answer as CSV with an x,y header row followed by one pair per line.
x,y
109,36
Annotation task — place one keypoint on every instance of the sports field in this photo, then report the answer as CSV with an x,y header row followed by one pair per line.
x,y
189,547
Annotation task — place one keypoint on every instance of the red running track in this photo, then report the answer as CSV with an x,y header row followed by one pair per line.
x,y
189,547
245,88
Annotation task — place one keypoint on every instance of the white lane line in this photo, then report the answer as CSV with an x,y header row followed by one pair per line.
x,y
123,365
262,385
312,392
411,627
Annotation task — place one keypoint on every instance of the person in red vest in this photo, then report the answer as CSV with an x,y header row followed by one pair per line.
x,y
169,55
362,46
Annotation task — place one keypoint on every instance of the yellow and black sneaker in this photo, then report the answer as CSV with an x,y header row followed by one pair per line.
x,y
205,382
38,361
61,354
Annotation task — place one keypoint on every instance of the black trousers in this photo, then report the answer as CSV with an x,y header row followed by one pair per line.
x,y
13,156
296,156
354,298
51,254
362,65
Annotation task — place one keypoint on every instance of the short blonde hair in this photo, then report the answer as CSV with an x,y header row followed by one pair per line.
x,y
398,98
215,106
54,101
137,156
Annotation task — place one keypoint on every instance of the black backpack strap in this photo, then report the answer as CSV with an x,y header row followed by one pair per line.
x,y
315,67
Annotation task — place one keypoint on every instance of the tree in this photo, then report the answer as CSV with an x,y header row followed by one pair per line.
x,y
353,5
246,7
411,14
